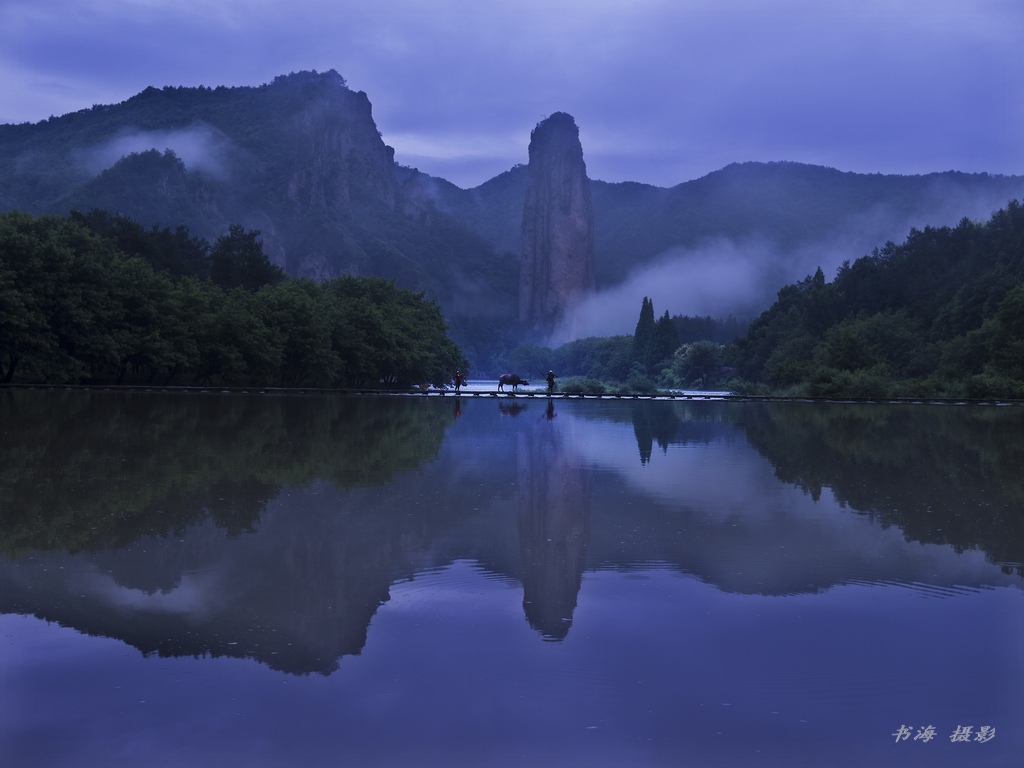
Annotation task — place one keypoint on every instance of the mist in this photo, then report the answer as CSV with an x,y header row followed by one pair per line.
x,y
724,276
200,147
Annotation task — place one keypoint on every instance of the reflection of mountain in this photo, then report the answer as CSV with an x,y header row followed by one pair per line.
x,y
554,503
297,595
943,475
263,527
145,463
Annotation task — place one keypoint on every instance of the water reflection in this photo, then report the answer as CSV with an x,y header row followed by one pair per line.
x,y
96,470
274,528
553,488
941,474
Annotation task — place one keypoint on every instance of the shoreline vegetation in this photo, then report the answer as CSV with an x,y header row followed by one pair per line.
x,y
97,300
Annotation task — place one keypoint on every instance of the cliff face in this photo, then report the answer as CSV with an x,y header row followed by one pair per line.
x,y
337,155
557,267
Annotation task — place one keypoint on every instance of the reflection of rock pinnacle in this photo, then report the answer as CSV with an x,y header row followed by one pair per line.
x,y
554,501
557,267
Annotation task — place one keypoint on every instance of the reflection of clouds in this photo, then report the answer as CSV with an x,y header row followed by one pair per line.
x,y
719,511
197,595
720,479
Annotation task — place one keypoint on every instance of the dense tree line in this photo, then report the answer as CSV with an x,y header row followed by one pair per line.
x,y
941,314
99,299
668,352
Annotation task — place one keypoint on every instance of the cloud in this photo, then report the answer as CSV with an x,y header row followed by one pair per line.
x,y
662,91
717,279
722,276
199,147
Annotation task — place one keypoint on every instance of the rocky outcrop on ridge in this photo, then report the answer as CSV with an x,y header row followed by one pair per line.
x,y
557,267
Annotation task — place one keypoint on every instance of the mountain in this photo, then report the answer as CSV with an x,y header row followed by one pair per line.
x,y
301,160
748,224
556,267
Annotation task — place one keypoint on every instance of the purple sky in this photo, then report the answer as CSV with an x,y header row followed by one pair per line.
x,y
663,91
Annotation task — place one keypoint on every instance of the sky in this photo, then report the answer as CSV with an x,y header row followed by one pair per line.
x,y
663,91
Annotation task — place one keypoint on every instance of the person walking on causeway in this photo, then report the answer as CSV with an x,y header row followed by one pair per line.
x,y
551,381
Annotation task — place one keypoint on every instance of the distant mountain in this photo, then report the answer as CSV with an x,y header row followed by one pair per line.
x,y
301,160
769,223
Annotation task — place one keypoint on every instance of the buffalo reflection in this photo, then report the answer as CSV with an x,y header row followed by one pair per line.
x,y
513,408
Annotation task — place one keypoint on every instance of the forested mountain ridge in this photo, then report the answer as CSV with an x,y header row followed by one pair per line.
x,y
299,159
940,314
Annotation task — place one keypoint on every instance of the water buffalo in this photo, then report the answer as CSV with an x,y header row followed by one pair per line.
x,y
510,378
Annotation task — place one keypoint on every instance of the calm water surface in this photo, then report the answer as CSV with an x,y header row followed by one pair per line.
x,y
213,580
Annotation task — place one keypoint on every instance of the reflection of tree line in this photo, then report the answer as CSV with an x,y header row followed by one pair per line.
x,y
110,476
94,470
667,423
942,474
102,471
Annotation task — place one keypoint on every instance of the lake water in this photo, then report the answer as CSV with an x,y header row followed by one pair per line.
x,y
232,580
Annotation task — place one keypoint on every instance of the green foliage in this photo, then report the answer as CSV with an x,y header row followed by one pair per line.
x,y
643,337
664,340
237,261
697,365
604,358
941,314
1008,335
722,331
581,385
531,360
74,309
638,382
173,251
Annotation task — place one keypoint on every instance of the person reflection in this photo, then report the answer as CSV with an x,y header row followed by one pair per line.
x,y
554,505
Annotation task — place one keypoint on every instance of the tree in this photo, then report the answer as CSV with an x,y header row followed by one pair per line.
x,y
55,278
1008,338
697,362
175,252
237,261
664,340
643,337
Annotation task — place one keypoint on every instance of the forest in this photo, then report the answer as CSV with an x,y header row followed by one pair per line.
x,y
97,298
940,315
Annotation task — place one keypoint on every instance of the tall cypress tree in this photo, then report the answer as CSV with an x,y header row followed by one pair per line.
x,y
643,337
664,340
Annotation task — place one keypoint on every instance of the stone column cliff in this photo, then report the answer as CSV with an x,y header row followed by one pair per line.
x,y
557,267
